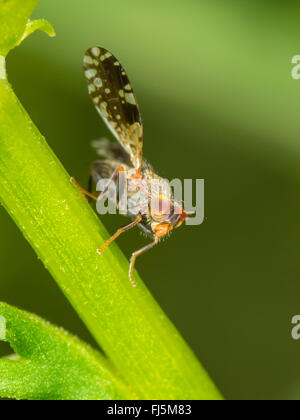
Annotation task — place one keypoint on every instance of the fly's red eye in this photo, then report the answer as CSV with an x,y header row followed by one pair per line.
x,y
161,207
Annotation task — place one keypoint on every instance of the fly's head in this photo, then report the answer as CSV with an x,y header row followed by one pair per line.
x,y
165,215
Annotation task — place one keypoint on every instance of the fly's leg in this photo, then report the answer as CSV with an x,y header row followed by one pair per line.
x,y
137,254
111,179
85,192
119,232
90,187
101,195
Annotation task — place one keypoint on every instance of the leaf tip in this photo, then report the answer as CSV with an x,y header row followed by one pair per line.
x,y
38,25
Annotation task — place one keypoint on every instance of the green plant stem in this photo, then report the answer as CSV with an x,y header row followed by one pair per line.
x,y
65,233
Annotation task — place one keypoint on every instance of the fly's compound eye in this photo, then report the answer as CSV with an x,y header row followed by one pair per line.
x,y
161,207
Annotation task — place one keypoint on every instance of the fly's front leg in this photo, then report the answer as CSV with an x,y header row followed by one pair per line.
x,y
101,195
85,192
119,232
90,187
111,179
137,254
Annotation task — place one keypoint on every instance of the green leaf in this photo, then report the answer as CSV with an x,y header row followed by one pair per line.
x,y
38,25
52,364
15,25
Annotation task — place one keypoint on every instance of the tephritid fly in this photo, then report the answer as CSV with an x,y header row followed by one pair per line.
x,y
156,212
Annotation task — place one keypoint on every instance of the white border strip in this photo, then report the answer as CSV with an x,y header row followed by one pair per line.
x,y
2,67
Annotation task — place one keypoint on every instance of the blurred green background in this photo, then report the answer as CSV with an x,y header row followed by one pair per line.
x,y
214,84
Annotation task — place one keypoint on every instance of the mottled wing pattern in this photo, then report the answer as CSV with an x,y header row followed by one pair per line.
x,y
112,94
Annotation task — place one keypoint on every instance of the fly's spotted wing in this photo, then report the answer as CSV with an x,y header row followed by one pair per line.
x,y
112,94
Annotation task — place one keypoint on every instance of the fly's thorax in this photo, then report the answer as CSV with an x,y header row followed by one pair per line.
x,y
131,174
